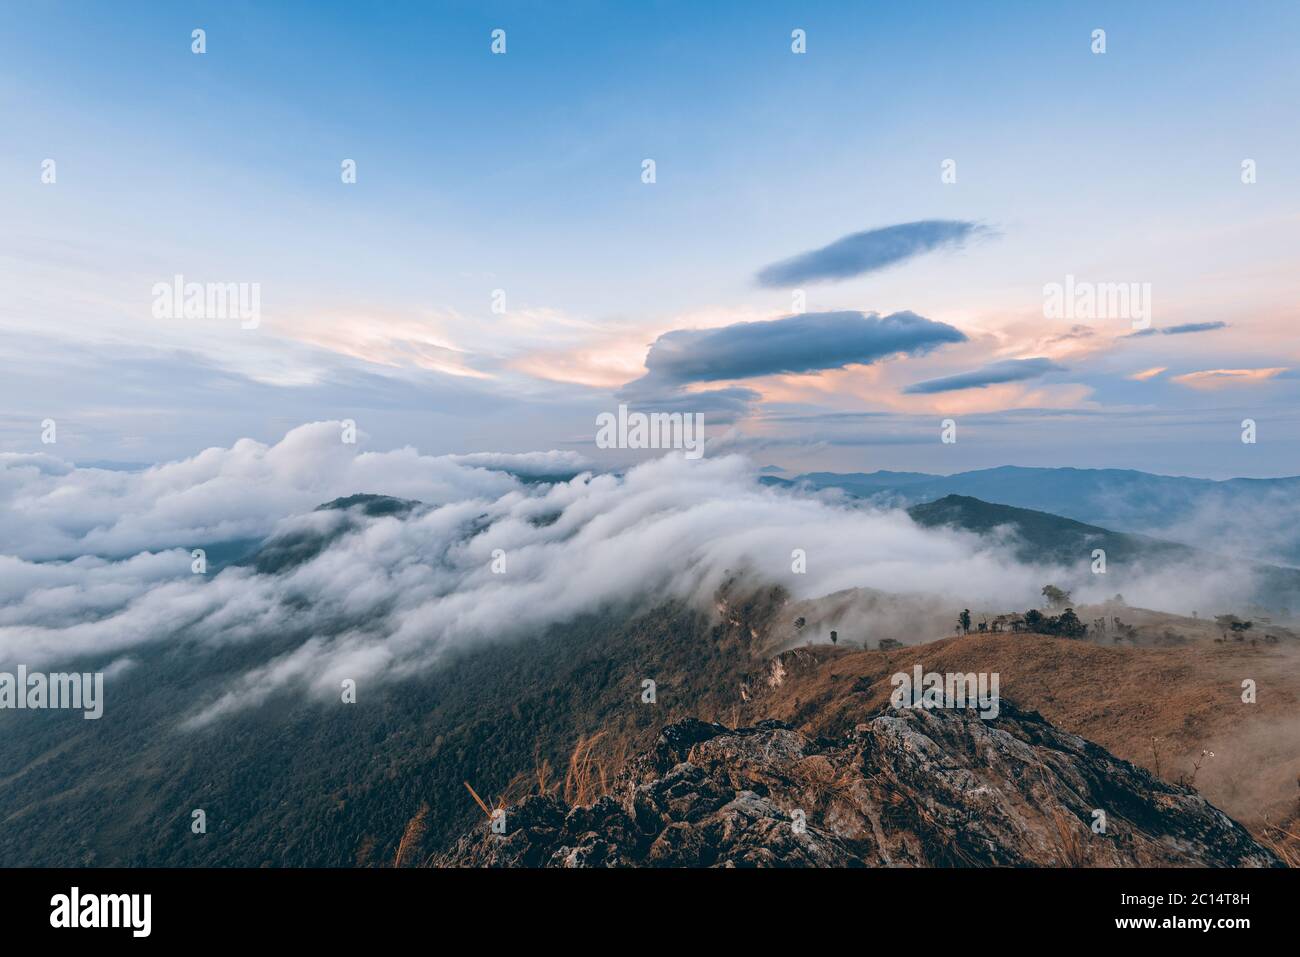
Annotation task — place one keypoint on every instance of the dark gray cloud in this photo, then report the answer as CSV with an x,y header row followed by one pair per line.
x,y
861,253
1183,329
1009,370
795,344
721,406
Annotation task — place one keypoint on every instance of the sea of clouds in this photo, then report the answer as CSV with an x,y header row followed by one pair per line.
x,y
97,563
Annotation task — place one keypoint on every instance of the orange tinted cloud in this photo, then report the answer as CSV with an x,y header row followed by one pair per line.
x,y
1218,378
1147,373
388,340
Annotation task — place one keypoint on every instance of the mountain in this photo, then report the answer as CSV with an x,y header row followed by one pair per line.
x,y
1041,537
292,548
302,782
911,787
553,712
1257,515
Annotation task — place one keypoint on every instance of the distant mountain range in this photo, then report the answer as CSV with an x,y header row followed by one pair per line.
x,y
1249,516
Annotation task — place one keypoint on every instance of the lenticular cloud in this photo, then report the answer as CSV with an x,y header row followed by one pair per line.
x,y
97,563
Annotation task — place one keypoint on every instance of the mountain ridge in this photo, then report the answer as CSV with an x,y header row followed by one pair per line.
x,y
1258,517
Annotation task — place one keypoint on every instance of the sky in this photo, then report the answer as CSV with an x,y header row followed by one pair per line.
x,y
840,248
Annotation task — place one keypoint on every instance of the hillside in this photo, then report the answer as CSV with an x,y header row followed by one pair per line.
x,y
301,781
1159,707
308,783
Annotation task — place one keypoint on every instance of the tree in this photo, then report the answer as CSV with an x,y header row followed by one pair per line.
x,y
1034,620
1056,597
1069,625
964,620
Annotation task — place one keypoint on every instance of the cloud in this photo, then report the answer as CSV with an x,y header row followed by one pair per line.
x,y
1180,330
384,595
1009,370
50,510
866,252
718,406
531,465
796,344
1218,378
1146,374
1077,333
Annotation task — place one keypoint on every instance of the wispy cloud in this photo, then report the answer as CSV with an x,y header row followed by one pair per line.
x,y
1009,370
866,252
1147,373
1218,378
1179,330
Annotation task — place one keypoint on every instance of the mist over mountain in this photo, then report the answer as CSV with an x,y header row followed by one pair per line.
x,y
1254,517
1045,538
469,555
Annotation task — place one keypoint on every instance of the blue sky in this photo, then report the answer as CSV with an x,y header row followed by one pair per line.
x,y
522,173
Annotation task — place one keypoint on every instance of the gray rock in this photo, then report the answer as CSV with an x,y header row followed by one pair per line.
x,y
911,788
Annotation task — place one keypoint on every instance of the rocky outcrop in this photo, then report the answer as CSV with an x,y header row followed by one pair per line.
x,y
905,788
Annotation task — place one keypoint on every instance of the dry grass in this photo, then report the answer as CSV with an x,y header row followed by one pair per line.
x,y
591,773
593,765
1285,844
825,783
478,800
1157,707
544,783
540,780
588,776
411,837
1284,839
1072,845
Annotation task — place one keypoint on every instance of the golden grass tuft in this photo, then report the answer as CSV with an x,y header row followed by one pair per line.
x,y
580,784
544,783
1072,844
591,774
1282,842
411,837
